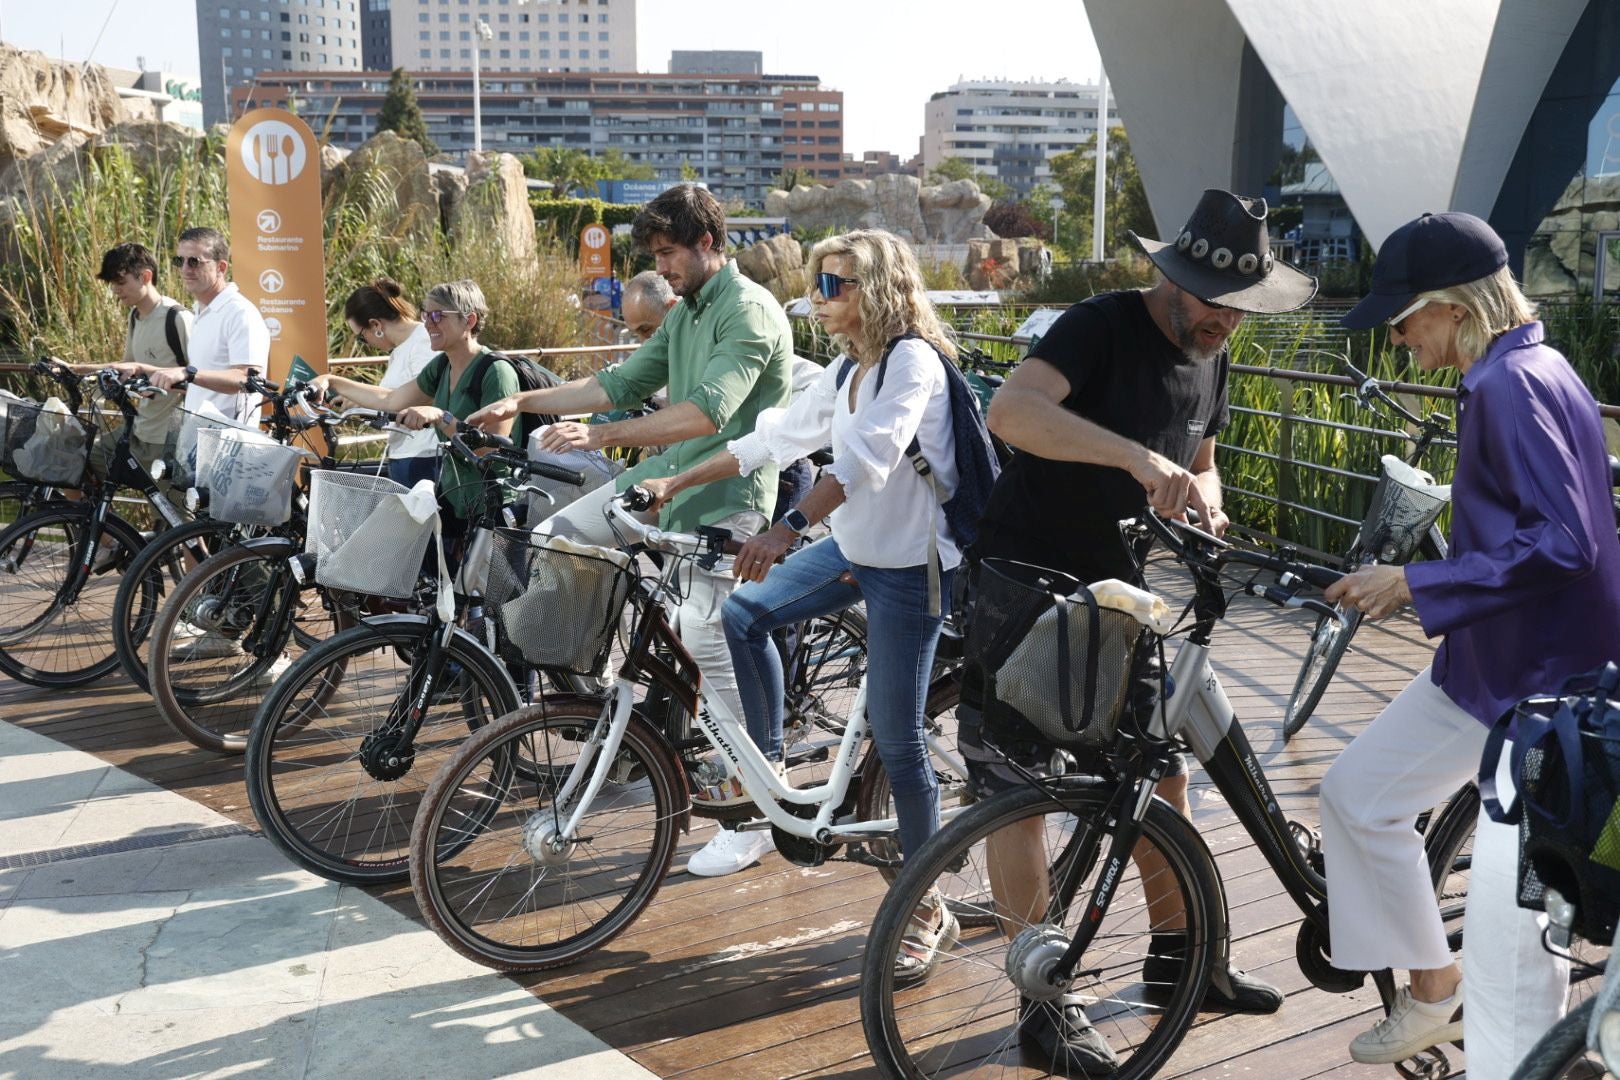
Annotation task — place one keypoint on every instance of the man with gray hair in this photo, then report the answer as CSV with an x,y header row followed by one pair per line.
x,y
647,299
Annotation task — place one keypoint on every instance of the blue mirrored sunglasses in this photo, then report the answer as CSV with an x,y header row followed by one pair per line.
x,y
830,285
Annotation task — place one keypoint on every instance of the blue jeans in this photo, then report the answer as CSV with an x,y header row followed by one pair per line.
x,y
900,641
409,470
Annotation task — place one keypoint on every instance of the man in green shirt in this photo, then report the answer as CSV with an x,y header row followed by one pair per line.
x,y
726,354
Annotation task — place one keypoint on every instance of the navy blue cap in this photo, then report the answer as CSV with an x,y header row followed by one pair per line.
x,y
1435,251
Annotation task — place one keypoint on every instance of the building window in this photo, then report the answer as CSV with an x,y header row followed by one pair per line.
x,y
562,35
286,54
425,54
226,51
601,35
444,54
602,54
562,54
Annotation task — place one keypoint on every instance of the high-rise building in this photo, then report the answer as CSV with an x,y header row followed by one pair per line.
x,y
377,35
716,62
1010,130
524,35
240,40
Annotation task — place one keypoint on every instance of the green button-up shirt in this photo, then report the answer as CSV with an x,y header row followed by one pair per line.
x,y
729,351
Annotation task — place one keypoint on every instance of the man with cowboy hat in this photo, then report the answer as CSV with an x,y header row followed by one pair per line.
x,y
1119,404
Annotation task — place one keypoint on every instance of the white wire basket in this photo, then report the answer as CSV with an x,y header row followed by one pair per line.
x,y
44,443
250,477
363,536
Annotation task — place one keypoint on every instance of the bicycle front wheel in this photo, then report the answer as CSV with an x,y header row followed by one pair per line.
x,y
330,777
153,574
1561,1052
1139,981
1329,640
50,635
494,870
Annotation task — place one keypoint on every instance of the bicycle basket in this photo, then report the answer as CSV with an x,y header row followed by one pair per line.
x,y
185,456
249,476
1405,504
363,535
1049,656
556,603
46,443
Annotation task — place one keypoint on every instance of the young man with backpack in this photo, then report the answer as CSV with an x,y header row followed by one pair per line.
x,y
159,328
1117,407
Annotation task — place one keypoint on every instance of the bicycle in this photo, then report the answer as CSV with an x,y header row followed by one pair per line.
x,y
550,831
1099,926
60,566
1400,524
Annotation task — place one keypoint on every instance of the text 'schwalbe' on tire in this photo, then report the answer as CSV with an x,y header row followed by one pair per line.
x,y
1326,648
504,889
327,775
46,638
223,639
1561,1051
876,801
964,1020
152,576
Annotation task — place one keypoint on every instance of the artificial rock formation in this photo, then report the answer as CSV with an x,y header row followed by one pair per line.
x,y
391,173
945,214
42,101
774,259
496,204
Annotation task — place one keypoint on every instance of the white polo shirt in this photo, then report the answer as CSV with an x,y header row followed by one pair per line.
x,y
227,332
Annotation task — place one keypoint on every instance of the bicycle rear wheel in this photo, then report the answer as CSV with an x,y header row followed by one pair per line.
x,y
50,637
504,888
1328,644
1561,1052
327,776
964,1020
152,575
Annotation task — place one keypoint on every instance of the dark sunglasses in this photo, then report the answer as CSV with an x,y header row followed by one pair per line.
x,y
195,262
436,317
830,285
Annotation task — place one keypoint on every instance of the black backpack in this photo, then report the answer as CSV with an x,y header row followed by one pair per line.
x,y
171,331
977,465
530,376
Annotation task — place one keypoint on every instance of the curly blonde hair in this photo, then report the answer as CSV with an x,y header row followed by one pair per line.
x,y
892,298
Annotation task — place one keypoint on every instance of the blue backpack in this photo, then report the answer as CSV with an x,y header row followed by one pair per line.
x,y
977,465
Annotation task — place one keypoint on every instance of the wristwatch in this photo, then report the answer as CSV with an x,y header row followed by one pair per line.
x,y
191,375
794,519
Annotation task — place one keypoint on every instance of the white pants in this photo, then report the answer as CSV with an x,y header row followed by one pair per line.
x,y
697,619
1381,904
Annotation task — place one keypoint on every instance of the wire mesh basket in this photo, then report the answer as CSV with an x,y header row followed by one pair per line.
x,y
555,603
363,535
1405,504
249,476
1049,656
46,443
184,461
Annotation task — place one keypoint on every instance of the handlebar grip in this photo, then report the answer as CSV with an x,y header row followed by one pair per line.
x,y
556,472
636,498
1319,576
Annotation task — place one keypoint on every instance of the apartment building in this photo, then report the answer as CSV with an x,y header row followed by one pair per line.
x,y
523,35
238,41
1009,129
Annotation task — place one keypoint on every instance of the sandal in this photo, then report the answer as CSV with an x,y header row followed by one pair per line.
x,y
933,933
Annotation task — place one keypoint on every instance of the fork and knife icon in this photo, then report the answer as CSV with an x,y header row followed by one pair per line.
x,y
272,156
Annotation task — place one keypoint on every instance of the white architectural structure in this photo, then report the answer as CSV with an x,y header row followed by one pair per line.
x,y
1010,130
530,35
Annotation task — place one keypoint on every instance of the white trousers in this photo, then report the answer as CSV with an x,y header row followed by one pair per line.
x,y
697,619
1381,904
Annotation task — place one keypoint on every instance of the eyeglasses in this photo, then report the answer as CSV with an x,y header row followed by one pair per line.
x,y
436,317
360,334
1398,323
830,285
193,262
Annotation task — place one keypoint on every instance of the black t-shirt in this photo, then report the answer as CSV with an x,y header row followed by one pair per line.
x,y
1126,376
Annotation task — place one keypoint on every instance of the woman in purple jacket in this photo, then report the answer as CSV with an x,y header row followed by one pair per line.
x,y
1528,595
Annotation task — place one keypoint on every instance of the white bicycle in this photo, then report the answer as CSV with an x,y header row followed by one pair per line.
x,y
550,830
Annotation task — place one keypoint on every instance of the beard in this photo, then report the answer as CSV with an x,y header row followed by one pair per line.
x,y
1186,330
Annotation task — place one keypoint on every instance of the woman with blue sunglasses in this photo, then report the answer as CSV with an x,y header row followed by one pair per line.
x,y
869,296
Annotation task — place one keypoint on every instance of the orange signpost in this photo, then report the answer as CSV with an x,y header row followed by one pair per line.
x,y
595,252
273,180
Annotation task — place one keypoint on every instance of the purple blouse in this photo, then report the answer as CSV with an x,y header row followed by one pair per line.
x,y
1530,591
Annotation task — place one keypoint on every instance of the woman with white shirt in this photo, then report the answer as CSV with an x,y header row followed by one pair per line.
x,y
870,297
380,318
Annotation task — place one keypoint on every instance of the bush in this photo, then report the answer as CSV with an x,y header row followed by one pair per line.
x,y
1070,283
569,216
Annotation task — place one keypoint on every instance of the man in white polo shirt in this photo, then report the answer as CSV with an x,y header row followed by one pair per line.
x,y
228,336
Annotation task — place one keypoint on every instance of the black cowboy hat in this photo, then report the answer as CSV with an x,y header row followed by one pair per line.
x,y
1223,257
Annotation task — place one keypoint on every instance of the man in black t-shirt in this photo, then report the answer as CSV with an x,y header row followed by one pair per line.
x,y
1118,406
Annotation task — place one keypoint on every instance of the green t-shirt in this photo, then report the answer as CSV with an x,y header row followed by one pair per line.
x,y
459,482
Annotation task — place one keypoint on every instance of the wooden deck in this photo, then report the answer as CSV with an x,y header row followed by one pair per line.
x,y
755,975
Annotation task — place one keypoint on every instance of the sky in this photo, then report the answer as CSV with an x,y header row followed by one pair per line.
x,y
887,57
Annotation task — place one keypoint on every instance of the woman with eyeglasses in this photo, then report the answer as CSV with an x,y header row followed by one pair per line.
x,y
887,528
379,317
1527,596
460,378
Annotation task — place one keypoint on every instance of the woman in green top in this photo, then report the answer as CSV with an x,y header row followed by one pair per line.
x,y
455,313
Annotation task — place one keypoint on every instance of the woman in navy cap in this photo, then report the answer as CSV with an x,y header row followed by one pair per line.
x,y
1528,595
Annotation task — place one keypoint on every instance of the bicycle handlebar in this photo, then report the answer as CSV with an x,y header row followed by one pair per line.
x,y
468,439
717,542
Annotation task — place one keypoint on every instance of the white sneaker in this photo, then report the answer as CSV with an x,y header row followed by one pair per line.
x,y
1411,1027
210,645
274,672
729,851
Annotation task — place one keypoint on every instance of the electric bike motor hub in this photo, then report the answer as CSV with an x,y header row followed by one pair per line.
x,y
543,843
1032,957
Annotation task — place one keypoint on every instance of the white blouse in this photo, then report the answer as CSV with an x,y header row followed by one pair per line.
x,y
884,519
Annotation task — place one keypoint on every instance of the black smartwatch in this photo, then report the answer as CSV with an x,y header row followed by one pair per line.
x,y
191,374
794,519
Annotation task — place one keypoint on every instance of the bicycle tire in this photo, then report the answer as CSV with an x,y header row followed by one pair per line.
x,y
210,694
964,1017
161,563
37,555
315,778
1561,1050
1327,648
496,892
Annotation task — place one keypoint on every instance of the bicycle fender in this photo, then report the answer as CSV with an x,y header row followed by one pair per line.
x,y
271,547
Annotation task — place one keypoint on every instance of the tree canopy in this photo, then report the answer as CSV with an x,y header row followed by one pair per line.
x,y
400,112
956,168
570,170
1125,205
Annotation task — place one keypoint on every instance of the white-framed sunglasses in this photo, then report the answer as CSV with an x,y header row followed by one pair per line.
x,y
1397,322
